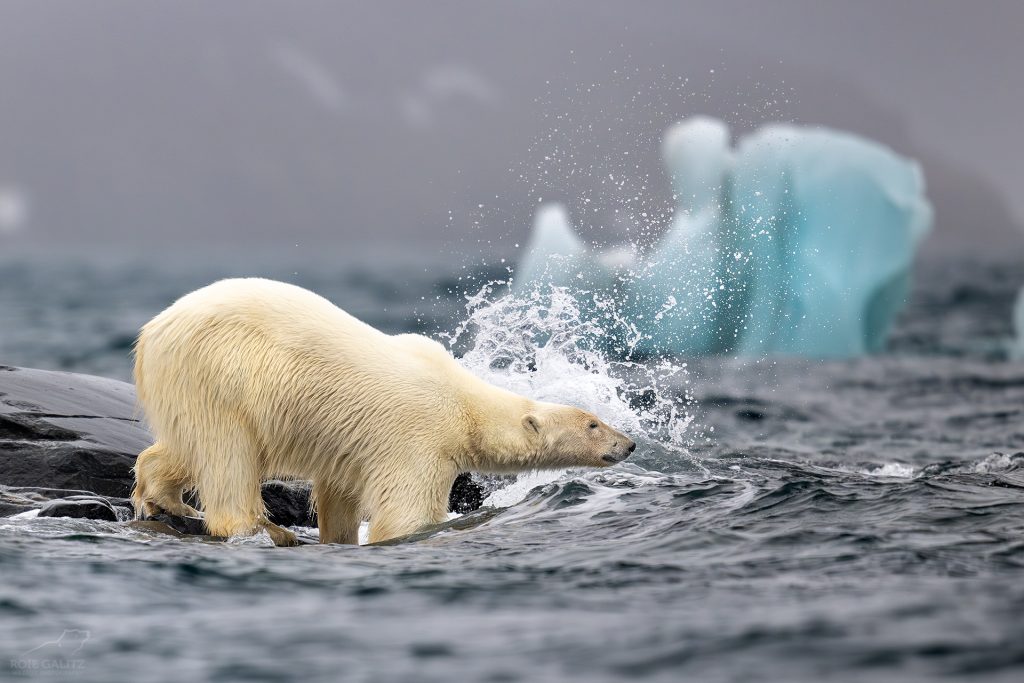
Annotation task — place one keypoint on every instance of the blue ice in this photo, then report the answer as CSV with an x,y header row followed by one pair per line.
x,y
673,295
830,223
555,256
798,241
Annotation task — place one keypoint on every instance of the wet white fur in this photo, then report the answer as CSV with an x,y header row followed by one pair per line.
x,y
250,379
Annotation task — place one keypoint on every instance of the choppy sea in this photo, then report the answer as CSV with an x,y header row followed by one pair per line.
x,y
781,520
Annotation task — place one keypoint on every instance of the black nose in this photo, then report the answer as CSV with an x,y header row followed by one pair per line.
x,y
632,447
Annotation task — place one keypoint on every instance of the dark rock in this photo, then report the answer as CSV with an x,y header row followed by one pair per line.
x,y
466,495
26,427
154,526
15,499
43,494
288,503
80,507
193,526
68,431
9,508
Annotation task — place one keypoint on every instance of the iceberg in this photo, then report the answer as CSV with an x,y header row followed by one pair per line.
x,y
831,223
675,294
556,257
798,241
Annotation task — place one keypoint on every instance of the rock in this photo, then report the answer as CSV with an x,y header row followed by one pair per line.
x,y
15,499
288,503
9,508
74,438
191,526
467,495
82,507
154,526
68,431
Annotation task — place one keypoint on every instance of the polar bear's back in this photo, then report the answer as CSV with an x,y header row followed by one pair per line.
x,y
276,308
250,323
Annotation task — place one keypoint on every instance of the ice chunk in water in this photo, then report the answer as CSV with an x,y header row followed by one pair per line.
x,y
800,242
555,256
828,224
675,295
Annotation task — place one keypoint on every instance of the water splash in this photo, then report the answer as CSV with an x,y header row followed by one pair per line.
x,y
551,344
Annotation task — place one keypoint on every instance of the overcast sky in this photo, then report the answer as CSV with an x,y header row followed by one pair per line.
x,y
444,123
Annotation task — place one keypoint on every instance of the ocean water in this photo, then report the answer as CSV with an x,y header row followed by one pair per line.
x,y
782,519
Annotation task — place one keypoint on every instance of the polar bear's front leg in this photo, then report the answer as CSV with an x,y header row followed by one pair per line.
x,y
406,504
337,515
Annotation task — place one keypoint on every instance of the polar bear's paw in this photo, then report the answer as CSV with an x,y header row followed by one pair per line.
x,y
145,508
283,538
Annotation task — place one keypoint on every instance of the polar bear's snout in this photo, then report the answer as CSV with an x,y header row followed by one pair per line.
x,y
620,451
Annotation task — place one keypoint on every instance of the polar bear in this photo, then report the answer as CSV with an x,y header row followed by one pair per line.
x,y
249,379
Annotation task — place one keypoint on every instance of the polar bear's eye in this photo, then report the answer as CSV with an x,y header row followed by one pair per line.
x,y
593,425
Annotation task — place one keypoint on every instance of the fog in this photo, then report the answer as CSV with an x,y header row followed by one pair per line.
x,y
442,125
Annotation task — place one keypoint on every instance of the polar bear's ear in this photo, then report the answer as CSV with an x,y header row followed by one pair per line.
x,y
531,423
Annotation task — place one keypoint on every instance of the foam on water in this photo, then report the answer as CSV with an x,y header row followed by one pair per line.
x,y
515,492
896,470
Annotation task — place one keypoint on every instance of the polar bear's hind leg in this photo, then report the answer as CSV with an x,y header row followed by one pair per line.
x,y
161,476
228,481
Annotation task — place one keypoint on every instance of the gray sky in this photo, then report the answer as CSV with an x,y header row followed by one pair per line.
x,y
332,124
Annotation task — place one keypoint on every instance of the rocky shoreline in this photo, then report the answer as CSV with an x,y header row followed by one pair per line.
x,y
68,443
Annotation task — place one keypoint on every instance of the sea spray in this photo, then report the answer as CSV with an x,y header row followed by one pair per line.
x,y
551,344
541,345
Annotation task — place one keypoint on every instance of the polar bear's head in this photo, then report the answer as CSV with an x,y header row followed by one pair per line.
x,y
570,437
